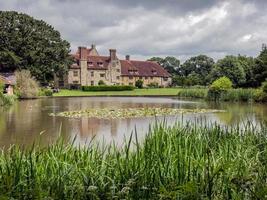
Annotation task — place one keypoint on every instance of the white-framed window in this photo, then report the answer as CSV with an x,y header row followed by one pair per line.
x,y
75,73
102,75
92,82
92,73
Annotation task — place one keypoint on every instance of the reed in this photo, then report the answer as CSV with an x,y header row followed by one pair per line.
x,y
193,92
182,162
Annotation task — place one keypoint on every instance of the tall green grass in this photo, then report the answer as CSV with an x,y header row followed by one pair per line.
x,y
234,95
180,162
6,99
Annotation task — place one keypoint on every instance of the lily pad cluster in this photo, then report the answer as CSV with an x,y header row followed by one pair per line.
x,y
121,113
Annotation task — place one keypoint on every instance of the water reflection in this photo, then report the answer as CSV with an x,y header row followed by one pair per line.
x,y
23,122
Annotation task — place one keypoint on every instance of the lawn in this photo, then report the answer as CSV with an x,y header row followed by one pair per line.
x,y
136,92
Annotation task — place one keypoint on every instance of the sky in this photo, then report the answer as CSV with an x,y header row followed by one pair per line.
x,y
147,28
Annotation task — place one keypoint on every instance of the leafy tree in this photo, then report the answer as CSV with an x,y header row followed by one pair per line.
x,y
200,65
260,68
139,83
247,63
230,67
27,43
170,63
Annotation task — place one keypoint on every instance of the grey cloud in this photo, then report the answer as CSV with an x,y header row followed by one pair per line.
x,y
148,28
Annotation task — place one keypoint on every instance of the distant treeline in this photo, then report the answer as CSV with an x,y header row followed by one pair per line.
x,y
243,71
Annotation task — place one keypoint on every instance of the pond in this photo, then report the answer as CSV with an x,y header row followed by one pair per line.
x,y
30,121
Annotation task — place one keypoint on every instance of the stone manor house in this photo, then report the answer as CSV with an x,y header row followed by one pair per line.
x,y
90,68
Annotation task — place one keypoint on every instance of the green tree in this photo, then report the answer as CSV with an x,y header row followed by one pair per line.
x,y
27,43
260,68
247,63
170,63
199,67
230,67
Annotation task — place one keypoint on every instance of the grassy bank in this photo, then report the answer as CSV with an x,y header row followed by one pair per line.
x,y
136,92
239,94
183,162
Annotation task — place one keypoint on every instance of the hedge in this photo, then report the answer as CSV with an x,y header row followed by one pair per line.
x,y
108,88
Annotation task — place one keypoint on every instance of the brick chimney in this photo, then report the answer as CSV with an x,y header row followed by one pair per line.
x,y
127,57
83,53
112,53
83,65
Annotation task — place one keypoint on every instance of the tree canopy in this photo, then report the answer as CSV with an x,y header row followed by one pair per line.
x,y
27,43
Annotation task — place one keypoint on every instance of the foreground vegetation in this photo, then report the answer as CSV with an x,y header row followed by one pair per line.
x,y
185,161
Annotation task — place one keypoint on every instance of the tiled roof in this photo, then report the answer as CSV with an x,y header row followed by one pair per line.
x,y
144,68
8,78
93,62
128,67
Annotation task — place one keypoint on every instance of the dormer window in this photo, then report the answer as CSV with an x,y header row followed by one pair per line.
x,y
154,72
90,64
100,64
131,72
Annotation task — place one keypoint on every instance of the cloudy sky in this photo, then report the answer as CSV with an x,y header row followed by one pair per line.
x,y
146,28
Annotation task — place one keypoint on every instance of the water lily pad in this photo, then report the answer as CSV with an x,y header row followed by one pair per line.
x,y
121,113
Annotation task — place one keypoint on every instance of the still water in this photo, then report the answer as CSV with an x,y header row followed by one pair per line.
x,y
28,121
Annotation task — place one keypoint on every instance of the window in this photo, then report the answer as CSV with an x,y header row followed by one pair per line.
x,y
92,74
154,72
90,63
102,75
118,78
146,77
130,71
75,73
75,82
130,83
118,70
92,82
140,77
100,64
151,77
165,78
130,77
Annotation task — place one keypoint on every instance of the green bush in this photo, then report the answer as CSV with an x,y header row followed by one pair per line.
x,y
45,92
108,88
2,86
153,85
6,99
218,87
101,82
264,87
139,83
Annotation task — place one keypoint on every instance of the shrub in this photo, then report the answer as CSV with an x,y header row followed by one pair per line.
x,y
6,99
218,87
45,92
2,86
108,88
27,86
264,87
139,83
153,85
101,82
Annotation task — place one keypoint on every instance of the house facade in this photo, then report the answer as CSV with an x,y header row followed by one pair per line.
x,y
90,68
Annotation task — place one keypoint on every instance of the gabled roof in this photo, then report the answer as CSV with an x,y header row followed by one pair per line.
x,y
8,78
144,68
